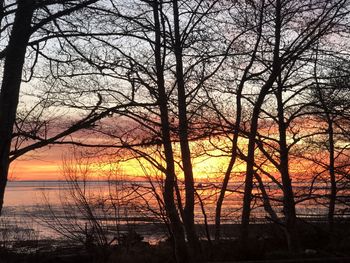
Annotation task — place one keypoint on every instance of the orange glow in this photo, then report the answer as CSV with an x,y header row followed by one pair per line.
x,y
47,165
208,164
35,170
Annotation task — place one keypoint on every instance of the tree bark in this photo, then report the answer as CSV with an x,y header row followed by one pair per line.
x,y
223,189
276,68
333,190
248,182
10,88
288,195
327,110
237,128
232,161
331,160
184,143
180,248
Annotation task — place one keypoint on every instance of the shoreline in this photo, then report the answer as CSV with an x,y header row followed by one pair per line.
x,y
266,244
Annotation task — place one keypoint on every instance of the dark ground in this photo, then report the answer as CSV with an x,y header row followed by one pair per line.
x,y
266,244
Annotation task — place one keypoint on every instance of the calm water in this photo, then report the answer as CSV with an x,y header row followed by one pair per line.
x,y
30,204
30,193
44,205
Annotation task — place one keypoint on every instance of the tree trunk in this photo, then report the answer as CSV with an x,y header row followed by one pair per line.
x,y
333,190
231,162
248,187
184,143
331,165
237,129
266,201
223,191
10,88
248,182
180,248
288,195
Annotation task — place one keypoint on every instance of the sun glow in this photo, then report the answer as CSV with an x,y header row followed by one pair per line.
x,y
209,164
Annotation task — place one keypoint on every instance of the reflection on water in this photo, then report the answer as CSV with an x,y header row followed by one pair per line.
x,y
29,193
49,208
139,204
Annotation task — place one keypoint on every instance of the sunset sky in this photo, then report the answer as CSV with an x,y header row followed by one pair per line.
x,y
47,164
41,165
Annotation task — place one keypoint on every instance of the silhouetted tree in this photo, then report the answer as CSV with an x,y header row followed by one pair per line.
x,y
160,74
329,97
25,24
292,42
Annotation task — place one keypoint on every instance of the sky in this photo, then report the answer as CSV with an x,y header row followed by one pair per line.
x,y
47,164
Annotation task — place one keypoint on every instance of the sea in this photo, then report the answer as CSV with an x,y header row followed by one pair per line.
x,y
72,209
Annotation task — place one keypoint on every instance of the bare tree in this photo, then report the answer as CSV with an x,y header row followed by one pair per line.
x,y
331,107
24,25
160,79
285,52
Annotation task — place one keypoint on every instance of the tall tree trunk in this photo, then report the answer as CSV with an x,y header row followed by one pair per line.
x,y
237,128
266,200
184,143
333,190
248,186
10,88
288,195
248,182
223,189
331,150
231,163
180,248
